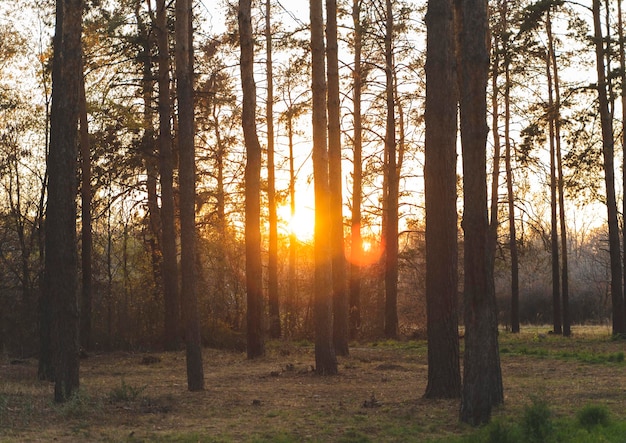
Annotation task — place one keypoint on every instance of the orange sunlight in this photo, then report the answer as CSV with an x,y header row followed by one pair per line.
x,y
302,224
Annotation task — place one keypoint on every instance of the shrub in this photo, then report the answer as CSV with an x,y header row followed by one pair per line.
x,y
593,415
537,421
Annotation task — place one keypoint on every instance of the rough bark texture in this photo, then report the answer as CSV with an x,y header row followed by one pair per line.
x,y
272,265
482,378
391,228
172,333
608,151
356,247
254,274
61,260
186,130
340,288
325,358
444,374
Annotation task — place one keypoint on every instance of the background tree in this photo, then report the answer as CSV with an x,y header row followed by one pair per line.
x,y
391,227
444,374
170,275
272,266
186,132
254,273
356,242
61,258
608,148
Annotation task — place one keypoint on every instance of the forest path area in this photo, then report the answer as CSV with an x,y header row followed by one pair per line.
x,y
377,395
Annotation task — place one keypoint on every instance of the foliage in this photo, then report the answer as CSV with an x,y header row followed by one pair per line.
x,y
125,393
593,415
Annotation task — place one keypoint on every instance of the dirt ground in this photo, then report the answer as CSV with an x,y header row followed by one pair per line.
x,y
377,395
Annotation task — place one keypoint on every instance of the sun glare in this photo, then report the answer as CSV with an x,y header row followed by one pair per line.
x,y
302,224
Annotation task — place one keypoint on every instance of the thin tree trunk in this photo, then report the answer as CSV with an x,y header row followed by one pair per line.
x,y
272,267
515,326
254,274
556,114
292,287
622,63
554,236
340,289
482,377
61,260
186,130
86,234
608,151
172,328
391,229
444,373
325,358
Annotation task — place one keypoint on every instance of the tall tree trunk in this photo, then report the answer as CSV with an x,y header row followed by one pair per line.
x,y
497,148
515,323
86,234
148,152
186,130
556,115
608,151
391,229
340,289
172,328
444,373
482,378
325,358
272,267
622,63
356,242
554,236
61,260
254,274
292,287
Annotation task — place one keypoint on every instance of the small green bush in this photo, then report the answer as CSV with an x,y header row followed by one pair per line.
x,y
537,422
593,415
125,393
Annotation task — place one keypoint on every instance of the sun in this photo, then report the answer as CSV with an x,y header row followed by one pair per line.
x,y
302,224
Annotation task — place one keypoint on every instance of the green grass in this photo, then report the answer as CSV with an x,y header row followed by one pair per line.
x,y
538,424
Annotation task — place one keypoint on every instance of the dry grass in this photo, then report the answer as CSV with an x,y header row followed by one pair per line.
x,y
377,395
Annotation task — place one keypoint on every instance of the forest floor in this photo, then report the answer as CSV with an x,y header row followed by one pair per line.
x,y
377,396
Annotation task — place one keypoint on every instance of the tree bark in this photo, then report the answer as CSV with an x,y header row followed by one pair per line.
x,y
61,260
340,289
356,242
556,115
172,332
554,236
325,358
272,266
444,374
622,63
608,151
186,130
254,274
391,228
515,323
482,378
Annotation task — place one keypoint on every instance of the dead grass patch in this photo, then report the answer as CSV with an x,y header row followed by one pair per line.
x,y
377,395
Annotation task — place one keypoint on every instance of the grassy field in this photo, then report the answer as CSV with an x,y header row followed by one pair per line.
x,y
556,389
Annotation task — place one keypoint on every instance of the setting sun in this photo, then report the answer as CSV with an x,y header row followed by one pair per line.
x,y
302,224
